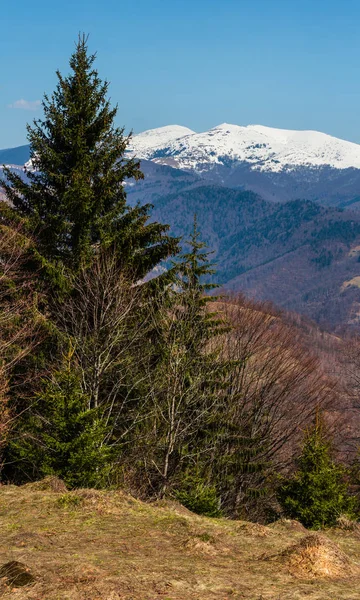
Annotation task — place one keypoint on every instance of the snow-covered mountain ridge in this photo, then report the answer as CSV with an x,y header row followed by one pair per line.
x,y
262,148
277,164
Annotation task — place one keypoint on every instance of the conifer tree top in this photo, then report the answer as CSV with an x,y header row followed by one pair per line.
x,y
74,198
194,264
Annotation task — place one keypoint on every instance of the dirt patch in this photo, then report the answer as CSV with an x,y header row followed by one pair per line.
x,y
317,556
16,574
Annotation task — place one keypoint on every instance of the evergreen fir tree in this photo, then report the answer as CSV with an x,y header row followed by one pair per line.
x,y
185,378
74,198
62,436
317,494
240,467
236,455
74,204
193,296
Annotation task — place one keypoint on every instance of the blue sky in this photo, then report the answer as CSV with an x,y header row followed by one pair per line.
x,y
282,63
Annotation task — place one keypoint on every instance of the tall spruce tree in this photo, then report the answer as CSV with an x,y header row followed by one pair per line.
x,y
229,457
74,203
74,197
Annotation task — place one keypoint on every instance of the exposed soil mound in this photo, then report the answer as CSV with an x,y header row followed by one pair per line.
x,y
317,556
50,483
16,574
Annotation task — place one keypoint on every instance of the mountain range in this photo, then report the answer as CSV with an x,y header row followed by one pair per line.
x,y
277,164
280,209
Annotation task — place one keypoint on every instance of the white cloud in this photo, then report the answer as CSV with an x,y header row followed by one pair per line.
x,y
26,104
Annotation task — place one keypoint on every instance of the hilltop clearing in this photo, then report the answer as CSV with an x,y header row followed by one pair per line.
x,y
92,545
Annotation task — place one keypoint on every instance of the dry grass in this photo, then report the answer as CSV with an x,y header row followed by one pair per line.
x,y
51,484
90,545
317,556
347,525
288,525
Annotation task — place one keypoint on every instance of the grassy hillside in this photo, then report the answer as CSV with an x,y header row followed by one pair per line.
x,y
89,545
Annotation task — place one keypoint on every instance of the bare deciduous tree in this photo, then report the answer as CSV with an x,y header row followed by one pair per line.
x,y
273,389
106,319
18,317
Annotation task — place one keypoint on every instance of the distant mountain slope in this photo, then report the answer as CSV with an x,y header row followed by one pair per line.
x,y
326,186
160,180
15,156
300,255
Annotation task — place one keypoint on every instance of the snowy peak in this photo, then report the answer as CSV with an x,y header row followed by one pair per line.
x,y
144,144
167,132
263,148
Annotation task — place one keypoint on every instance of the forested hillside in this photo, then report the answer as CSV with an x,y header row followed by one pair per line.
x,y
302,256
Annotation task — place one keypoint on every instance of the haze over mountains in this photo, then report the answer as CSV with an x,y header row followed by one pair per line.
x,y
279,208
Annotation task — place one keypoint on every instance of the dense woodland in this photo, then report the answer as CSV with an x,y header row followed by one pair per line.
x,y
116,371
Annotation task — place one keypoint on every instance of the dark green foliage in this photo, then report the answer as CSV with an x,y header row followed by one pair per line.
x,y
75,198
324,259
193,270
69,501
317,494
241,468
61,436
199,497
